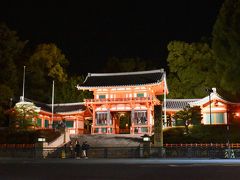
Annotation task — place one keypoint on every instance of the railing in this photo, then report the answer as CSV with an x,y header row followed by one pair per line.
x,y
173,151
18,150
118,99
213,145
110,129
17,146
156,152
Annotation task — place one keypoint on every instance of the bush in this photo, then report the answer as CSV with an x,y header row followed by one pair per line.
x,y
26,136
203,134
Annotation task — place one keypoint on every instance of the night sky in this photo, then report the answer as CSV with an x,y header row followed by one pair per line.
x,y
89,33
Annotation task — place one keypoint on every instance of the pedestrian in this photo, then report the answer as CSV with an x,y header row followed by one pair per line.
x,y
71,149
85,148
64,151
77,150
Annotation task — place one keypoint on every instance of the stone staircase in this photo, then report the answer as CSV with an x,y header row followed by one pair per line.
x,y
116,140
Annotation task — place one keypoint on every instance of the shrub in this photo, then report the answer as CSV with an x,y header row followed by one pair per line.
x,y
203,134
26,136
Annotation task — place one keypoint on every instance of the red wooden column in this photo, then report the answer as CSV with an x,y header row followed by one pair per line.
x,y
148,119
42,121
132,120
94,119
76,125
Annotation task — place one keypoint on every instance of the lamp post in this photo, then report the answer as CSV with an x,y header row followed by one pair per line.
x,y
146,146
229,153
228,141
52,104
209,91
23,90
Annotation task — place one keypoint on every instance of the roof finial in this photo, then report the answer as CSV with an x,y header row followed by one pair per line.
x,y
214,90
21,99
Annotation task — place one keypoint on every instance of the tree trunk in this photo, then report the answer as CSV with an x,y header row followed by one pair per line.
x,y
158,132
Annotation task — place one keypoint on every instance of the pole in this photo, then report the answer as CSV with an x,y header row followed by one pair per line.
x,y
228,136
24,67
228,142
165,99
52,103
210,108
209,91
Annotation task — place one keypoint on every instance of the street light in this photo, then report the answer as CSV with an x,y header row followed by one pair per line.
x,y
146,138
209,91
41,139
24,67
228,141
146,141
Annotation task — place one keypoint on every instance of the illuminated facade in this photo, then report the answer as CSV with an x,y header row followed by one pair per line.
x,y
73,116
220,110
124,102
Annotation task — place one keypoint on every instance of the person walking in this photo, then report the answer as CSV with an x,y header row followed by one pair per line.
x,y
71,150
85,148
77,150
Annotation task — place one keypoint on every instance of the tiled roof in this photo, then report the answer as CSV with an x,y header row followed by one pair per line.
x,y
43,106
59,108
173,104
178,104
68,107
123,79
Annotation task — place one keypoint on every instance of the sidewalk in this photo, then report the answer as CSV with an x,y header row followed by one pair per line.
x,y
124,161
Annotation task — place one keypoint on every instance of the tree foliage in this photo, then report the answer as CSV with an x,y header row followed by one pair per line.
x,y
50,58
67,92
23,115
191,67
11,48
196,115
5,95
226,45
189,115
47,63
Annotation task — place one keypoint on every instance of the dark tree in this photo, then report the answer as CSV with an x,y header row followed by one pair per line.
x,y
67,92
226,45
46,64
191,67
11,48
189,115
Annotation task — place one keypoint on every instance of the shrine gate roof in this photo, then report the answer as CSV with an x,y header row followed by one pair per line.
x,y
123,79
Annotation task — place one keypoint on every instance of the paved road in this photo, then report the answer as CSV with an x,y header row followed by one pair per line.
x,y
119,169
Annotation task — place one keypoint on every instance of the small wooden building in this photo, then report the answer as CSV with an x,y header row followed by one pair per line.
x,y
72,116
220,110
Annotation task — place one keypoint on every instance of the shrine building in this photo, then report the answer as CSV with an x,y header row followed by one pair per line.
x,y
215,109
124,102
72,115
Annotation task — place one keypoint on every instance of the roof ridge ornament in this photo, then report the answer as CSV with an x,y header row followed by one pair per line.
x,y
21,99
109,80
126,73
214,90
